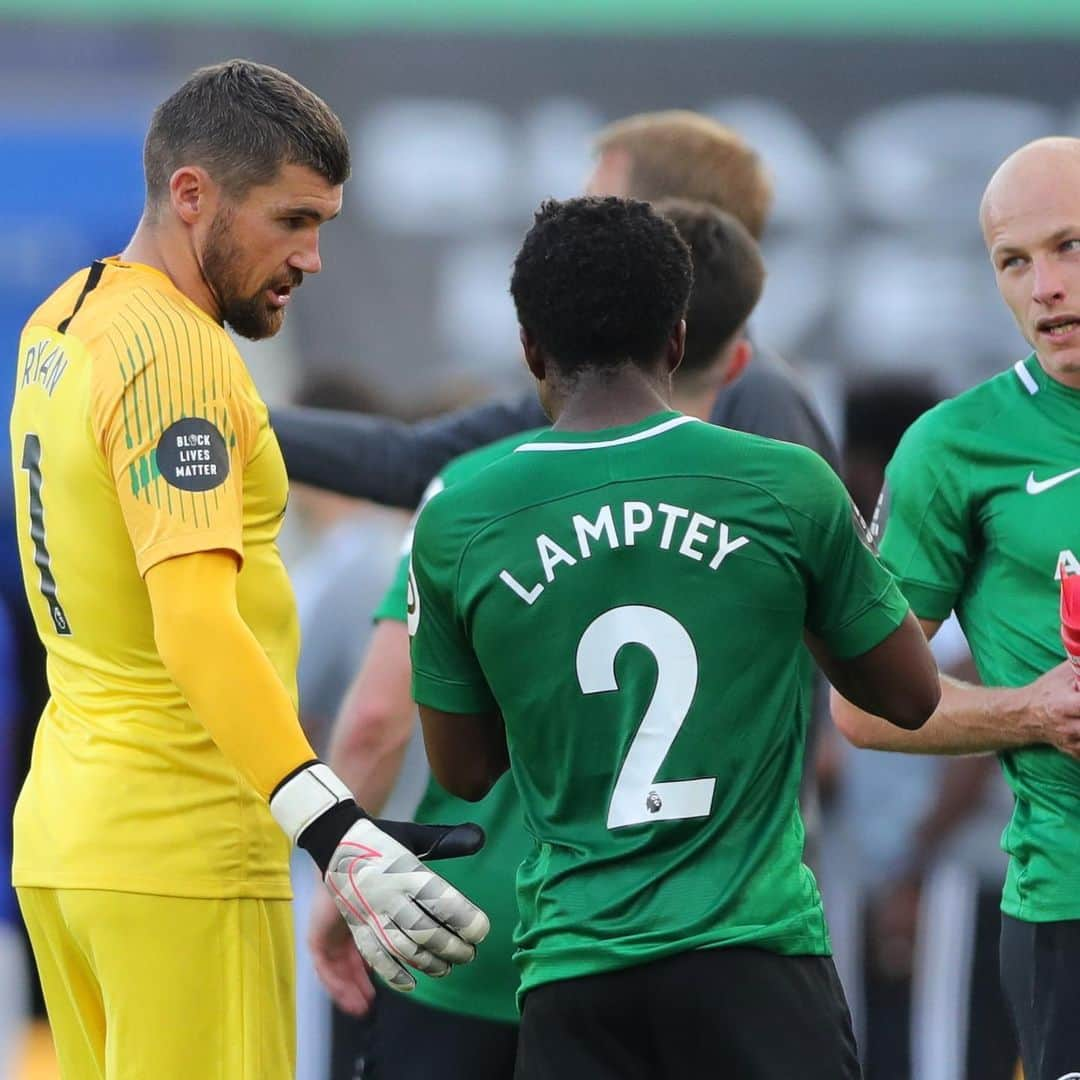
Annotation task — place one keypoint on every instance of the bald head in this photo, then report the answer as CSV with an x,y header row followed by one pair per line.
x,y
1030,217
1051,163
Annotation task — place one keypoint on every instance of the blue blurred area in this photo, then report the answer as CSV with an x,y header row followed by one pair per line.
x,y
72,192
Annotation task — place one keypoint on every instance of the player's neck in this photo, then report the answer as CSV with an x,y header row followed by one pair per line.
x,y
1060,372
596,400
152,245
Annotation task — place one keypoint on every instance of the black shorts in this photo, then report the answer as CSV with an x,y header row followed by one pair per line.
x,y
1040,963
409,1041
733,1013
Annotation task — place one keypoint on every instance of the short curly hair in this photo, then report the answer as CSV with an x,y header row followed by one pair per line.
x,y
600,281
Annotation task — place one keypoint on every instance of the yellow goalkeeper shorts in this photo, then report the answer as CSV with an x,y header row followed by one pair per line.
x,y
165,988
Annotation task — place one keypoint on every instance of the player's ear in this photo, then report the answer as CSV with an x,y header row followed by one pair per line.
x,y
676,346
534,356
739,353
191,193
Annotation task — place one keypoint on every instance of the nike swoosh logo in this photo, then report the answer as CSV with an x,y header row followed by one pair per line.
x,y
1036,487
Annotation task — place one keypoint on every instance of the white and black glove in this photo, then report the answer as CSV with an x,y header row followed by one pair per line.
x,y
400,914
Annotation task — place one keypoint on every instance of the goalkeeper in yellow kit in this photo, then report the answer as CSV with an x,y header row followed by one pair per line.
x,y
169,772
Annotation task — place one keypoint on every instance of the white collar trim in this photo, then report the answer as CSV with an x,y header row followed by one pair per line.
x,y
659,429
1025,376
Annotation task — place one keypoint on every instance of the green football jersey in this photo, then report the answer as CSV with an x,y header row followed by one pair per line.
x,y
486,987
979,509
633,601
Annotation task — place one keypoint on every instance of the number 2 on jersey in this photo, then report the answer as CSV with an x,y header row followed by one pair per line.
x,y
31,462
637,796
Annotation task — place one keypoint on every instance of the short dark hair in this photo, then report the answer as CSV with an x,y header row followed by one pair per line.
x,y
600,281
242,122
729,276
690,156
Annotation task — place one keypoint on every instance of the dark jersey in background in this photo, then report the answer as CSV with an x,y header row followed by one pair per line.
x,y
391,462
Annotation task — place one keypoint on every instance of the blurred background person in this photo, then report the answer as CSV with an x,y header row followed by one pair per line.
x,y
345,551
672,154
912,864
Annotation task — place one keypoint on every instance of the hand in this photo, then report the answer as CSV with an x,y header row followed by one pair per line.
x,y
340,968
1051,705
398,911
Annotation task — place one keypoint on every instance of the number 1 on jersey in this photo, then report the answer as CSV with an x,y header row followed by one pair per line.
x,y
637,796
31,462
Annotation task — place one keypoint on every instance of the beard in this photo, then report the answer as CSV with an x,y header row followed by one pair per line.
x,y
253,317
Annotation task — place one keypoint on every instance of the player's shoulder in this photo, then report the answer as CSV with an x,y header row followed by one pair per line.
x,y
476,490
464,468
137,319
61,302
758,459
141,307
948,425
780,478
476,461
469,488
130,313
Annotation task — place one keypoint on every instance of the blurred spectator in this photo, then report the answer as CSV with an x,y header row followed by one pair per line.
x,y
673,153
348,557
912,864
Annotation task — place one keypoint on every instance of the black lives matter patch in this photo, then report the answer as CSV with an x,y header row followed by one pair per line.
x,y
192,455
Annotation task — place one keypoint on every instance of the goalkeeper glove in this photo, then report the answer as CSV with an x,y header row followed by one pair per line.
x,y
1070,617
400,914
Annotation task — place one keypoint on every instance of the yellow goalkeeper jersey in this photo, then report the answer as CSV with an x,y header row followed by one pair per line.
x,y
137,435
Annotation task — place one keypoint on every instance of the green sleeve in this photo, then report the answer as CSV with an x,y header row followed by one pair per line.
x,y
446,673
393,604
853,603
926,539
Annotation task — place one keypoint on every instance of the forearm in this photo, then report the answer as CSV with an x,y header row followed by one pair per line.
x,y
968,720
376,720
369,758
374,876
367,457
222,671
467,751
896,680
385,460
372,777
